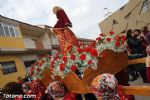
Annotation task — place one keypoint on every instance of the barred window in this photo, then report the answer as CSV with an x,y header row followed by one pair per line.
x,y
8,67
9,30
1,30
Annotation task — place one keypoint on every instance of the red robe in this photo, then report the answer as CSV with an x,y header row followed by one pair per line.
x,y
65,36
63,20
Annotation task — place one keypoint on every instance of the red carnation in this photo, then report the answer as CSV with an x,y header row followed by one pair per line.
x,y
51,69
123,38
82,56
94,52
99,38
87,49
38,69
127,47
80,43
51,63
43,61
93,44
31,72
65,59
118,38
32,68
62,67
108,39
57,56
69,47
111,32
90,62
79,50
40,64
73,68
102,34
73,57
117,44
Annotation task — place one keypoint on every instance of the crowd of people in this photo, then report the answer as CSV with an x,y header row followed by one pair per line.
x,y
138,42
104,87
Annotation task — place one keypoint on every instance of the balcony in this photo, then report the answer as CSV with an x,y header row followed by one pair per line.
x,y
54,41
37,43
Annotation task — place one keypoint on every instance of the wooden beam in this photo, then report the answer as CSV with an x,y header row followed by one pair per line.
x,y
136,61
136,90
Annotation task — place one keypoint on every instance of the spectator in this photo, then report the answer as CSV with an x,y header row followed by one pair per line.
x,y
57,90
131,68
146,33
137,51
148,64
13,88
106,87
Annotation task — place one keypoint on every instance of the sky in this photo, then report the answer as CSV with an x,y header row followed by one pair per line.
x,y
84,14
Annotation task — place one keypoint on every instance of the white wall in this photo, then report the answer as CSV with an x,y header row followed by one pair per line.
x,y
46,41
29,57
29,43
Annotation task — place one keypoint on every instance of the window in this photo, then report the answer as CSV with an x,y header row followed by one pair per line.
x,y
8,67
6,31
146,6
16,31
1,31
12,31
9,30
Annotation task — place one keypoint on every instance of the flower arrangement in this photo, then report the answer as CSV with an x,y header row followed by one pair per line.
x,y
116,43
37,68
79,58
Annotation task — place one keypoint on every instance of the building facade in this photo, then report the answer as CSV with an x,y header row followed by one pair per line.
x,y
133,15
20,46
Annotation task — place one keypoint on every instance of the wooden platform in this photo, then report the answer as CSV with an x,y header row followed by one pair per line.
x,y
112,63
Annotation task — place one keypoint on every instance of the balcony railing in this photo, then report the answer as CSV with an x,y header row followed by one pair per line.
x,y
54,41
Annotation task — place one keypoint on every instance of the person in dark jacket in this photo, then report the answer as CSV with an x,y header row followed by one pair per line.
x,y
137,51
132,72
